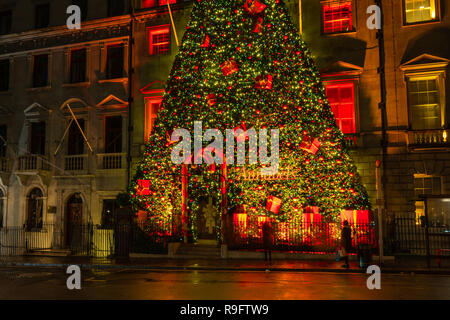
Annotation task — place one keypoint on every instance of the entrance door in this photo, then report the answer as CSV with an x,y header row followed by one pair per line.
x,y
74,220
207,219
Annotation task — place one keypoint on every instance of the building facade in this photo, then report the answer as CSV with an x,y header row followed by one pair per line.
x,y
110,76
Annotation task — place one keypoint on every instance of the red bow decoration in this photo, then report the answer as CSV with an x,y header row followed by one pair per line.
x,y
229,67
254,6
206,42
310,146
242,136
273,204
212,99
143,188
264,82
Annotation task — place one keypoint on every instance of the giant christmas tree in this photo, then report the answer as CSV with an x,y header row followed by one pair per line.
x,y
242,64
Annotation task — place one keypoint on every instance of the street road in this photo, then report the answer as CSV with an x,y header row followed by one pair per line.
x,y
48,283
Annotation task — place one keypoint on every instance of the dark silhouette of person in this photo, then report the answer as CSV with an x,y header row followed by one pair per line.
x,y
267,240
346,242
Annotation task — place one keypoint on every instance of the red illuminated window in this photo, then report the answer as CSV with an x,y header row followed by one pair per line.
x,y
159,40
154,3
152,105
337,16
341,96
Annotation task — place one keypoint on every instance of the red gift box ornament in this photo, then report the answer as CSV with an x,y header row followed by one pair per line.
x,y
143,188
206,42
259,26
169,138
310,146
254,6
264,82
273,204
212,99
229,67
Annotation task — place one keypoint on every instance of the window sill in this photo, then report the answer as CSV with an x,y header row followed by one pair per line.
x,y
33,89
341,33
116,80
423,23
76,84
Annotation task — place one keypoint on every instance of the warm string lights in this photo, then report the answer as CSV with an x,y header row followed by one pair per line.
x,y
249,66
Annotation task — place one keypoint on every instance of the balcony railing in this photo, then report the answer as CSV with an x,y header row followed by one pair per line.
x,y
428,138
350,140
108,161
4,165
33,163
75,163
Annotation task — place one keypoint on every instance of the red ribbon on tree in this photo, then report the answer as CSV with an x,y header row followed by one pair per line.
x,y
229,67
254,6
258,26
273,204
169,138
242,136
143,188
264,82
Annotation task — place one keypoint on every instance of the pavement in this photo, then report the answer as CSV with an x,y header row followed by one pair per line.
x,y
400,266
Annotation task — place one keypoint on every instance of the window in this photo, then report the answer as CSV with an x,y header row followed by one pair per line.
x,y
35,209
115,8
113,134
4,75
40,71
3,139
154,3
109,208
152,106
159,40
5,22
425,106
78,66
83,6
37,138
76,140
341,97
337,16
115,60
429,185
42,19
416,11
2,207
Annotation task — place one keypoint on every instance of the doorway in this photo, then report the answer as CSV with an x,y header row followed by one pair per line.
x,y
74,219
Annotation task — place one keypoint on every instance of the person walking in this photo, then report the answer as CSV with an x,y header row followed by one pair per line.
x,y
267,240
346,242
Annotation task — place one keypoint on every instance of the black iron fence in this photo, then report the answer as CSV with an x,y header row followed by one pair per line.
x,y
416,238
315,237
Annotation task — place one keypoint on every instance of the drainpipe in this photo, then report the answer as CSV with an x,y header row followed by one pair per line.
x,y
382,107
130,90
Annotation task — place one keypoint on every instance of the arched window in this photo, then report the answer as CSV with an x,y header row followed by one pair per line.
x,y
34,209
2,207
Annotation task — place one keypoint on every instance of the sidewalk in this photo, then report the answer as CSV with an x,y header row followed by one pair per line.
x,y
213,265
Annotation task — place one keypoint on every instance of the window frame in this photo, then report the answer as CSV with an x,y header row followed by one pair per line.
x,y
3,148
85,65
32,135
157,3
439,76
108,76
154,30
109,9
38,224
121,134
322,17
437,19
